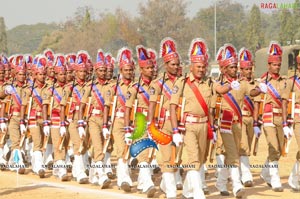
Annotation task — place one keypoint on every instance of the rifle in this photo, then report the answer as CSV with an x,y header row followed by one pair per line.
x,y
112,114
69,102
292,98
28,110
159,101
180,116
260,112
132,116
88,107
50,107
216,117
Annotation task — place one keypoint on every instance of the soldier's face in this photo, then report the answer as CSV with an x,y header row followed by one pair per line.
x,y
274,68
147,71
2,74
41,76
101,72
246,72
50,71
81,74
127,72
172,66
109,73
70,76
232,70
198,70
7,73
155,73
61,77
20,76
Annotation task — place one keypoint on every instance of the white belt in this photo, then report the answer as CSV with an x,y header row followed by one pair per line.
x,y
277,110
16,113
246,113
77,108
38,113
119,114
145,113
96,111
195,119
167,113
297,110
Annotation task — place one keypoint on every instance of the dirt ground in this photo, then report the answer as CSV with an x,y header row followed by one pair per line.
x,y
31,186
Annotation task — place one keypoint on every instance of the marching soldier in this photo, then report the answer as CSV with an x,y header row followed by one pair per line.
x,y
34,115
197,120
15,90
139,91
75,91
71,57
119,133
96,112
274,117
153,56
246,65
233,93
294,116
163,86
56,127
50,66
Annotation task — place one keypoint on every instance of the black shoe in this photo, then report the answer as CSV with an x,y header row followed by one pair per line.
x,y
50,165
105,184
111,176
248,183
205,191
179,187
125,187
21,171
239,193
8,155
156,170
150,192
296,189
278,189
87,172
3,166
42,173
269,184
183,197
134,163
224,193
84,181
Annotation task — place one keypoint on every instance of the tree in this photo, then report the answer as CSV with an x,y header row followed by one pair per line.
x,y
254,35
286,31
3,38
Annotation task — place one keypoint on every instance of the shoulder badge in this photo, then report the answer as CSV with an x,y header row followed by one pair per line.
x,y
151,91
128,95
108,93
175,89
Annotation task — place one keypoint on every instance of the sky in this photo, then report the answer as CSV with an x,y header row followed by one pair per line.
x,y
17,12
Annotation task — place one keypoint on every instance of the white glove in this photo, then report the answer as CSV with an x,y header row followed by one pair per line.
x,y
263,87
81,132
127,139
235,85
8,90
22,129
257,131
3,126
287,132
62,131
215,137
177,139
46,130
105,133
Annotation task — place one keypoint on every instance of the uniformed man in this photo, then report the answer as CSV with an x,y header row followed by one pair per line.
x,y
294,85
56,127
50,66
140,91
76,127
100,94
246,66
16,90
233,93
120,134
71,57
34,115
274,117
153,55
163,86
197,121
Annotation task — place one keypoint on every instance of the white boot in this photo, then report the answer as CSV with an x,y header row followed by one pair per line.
x,y
192,186
62,168
85,158
178,178
275,179
38,163
223,174
144,178
168,185
237,187
78,170
2,160
123,173
93,178
48,157
202,176
107,163
265,173
246,174
294,178
102,177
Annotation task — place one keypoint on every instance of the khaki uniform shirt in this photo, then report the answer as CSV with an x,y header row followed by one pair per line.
x,y
48,94
142,95
192,105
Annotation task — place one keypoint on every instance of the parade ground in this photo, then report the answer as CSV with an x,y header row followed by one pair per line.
x,y
30,186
